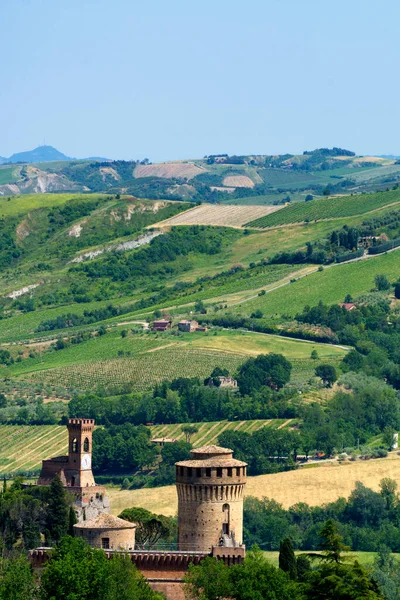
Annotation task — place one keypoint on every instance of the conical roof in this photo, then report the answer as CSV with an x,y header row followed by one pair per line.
x,y
105,521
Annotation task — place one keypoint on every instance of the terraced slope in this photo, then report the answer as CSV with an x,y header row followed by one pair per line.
x,y
327,208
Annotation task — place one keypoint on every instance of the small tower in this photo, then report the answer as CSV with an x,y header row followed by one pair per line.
x,y
210,500
80,433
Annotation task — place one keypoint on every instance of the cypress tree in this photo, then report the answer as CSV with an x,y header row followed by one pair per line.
x,y
57,511
71,521
287,559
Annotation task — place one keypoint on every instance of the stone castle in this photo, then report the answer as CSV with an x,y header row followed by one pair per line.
x,y
210,490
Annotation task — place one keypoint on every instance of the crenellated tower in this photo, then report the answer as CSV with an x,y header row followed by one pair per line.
x,y
210,490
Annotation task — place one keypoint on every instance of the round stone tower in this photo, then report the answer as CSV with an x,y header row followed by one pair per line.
x,y
210,499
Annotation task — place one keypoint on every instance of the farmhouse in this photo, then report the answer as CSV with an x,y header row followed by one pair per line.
x,y
161,325
163,440
349,306
188,326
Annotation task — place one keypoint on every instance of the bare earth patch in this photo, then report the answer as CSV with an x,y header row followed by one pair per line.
x,y
222,215
238,181
168,170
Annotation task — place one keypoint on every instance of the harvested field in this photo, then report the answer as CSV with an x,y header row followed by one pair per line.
x,y
220,215
23,447
315,486
168,170
238,181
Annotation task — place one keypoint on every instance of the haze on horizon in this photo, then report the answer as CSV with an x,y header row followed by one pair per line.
x,y
173,80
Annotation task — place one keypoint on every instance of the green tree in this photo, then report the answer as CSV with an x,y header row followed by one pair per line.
x,y
272,370
16,579
287,559
76,571
314,355
57,520
208,581
189,431
382,283
327,373
72,520
150,528
397,290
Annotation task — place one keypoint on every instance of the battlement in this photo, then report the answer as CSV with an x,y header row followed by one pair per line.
x,y
81,423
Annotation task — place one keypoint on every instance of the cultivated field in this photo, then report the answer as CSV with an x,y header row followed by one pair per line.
x,y
238,181
22,448
328,208
140,372
208,433
315,486
169,170
222,215
142,360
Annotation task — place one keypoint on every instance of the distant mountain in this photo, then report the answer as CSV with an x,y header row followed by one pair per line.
x,y
39,154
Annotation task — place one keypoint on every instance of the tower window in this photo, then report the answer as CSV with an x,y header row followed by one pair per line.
x,y
208,472
219,471
74,446
229,471
198,472
237,471
189,471
86,445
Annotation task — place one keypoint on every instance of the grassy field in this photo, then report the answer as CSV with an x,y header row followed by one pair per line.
x,y
7,174
22,448
19,205
314,486
328,208
330,285
364,558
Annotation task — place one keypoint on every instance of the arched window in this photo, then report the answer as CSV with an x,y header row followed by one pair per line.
x,y
86,445
74,446
226,519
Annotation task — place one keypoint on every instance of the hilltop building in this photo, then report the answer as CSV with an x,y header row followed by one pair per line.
x,y
75,471
210,500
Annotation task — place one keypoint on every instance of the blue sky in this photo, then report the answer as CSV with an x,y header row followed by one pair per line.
x,y
180,79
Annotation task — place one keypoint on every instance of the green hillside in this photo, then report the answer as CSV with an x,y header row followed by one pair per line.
x,y
328,208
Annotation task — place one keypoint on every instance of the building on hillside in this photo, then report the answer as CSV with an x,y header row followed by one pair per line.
x,y
75,471
210,490
162,325
163,440
228,381
349,306
188,326
107,532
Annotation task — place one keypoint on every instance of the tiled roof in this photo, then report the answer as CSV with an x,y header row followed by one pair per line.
x,y
212,450
105,521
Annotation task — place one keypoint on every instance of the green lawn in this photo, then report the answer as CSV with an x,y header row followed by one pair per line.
x,y
19,205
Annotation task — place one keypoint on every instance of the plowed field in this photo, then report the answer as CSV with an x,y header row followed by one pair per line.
x,y
222,215
238,181
168,170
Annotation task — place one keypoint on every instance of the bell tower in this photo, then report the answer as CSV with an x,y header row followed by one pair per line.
x,y
80,433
